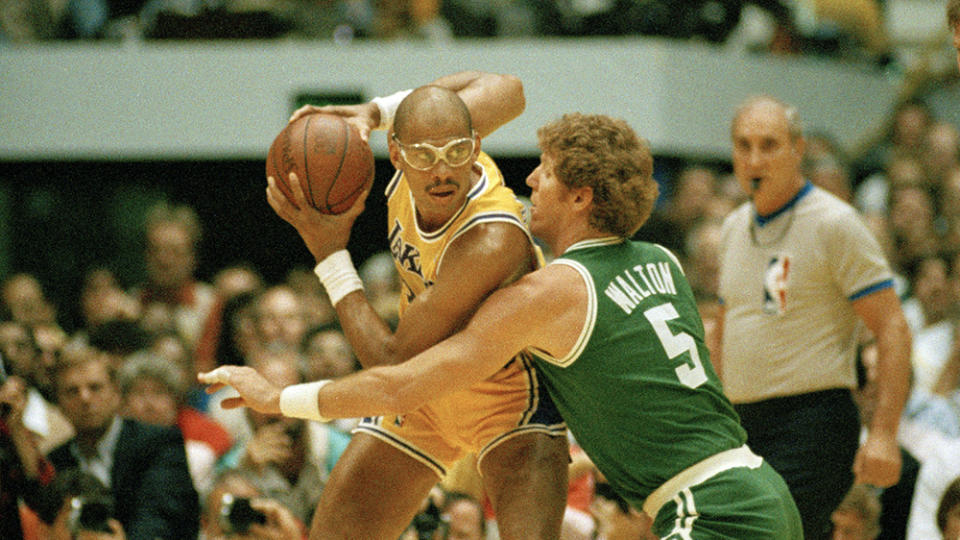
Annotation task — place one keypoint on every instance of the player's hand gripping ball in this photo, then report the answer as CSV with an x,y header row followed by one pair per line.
x,y
334,165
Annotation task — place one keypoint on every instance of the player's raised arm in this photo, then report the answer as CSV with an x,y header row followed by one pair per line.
x,y
493,99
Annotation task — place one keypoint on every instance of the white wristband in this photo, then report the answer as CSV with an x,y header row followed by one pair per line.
x,y
388,107
338,275
300,401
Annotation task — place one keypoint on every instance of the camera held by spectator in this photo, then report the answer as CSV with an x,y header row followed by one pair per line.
x,y
235,509
83,507
236,514
91,512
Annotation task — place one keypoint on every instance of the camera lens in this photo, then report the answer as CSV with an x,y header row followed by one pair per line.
x,y
237,515
90,514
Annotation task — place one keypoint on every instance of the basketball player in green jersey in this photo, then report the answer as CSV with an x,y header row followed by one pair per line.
x,y
618,340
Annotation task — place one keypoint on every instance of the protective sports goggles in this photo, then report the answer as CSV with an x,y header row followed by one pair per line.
x,y
423,156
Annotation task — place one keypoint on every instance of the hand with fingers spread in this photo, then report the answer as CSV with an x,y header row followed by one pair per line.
x,y
323,234
255,391
365,116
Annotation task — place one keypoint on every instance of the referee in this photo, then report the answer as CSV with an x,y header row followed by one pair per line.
x,y
799,274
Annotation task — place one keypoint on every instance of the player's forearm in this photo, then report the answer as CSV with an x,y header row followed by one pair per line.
x,y
452,365
362,394
459,80
370,392
371,339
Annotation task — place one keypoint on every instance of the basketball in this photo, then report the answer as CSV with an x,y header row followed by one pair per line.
x,y
334,165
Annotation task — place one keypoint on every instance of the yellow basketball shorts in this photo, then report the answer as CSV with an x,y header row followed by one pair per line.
x,y
510,403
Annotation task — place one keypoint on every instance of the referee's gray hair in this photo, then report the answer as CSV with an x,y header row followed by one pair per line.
x,y
794,122
145,364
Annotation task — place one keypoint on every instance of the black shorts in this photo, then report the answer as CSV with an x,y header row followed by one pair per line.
x,y
811,440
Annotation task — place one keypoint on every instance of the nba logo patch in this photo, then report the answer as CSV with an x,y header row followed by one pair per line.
x,y
775,285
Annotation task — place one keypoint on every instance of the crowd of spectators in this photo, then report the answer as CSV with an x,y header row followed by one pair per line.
x,y
134,358
111,410
826,27
74,396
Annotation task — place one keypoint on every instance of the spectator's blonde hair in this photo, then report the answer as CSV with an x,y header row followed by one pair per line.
x,y
606,155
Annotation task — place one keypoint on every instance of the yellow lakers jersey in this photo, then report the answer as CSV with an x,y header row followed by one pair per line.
x,y
418,254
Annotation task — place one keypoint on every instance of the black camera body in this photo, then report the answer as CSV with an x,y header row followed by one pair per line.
x,y
90,514
236,514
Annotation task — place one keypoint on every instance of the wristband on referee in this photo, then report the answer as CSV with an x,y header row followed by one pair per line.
x,y
338,275
388,107
300,401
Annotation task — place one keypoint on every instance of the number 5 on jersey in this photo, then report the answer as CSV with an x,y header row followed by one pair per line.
x,y
690,373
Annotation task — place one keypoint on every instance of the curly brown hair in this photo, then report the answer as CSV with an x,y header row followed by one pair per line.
x,y
605,154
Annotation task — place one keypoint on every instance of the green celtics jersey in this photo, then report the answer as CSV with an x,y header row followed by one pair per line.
x,y
638,390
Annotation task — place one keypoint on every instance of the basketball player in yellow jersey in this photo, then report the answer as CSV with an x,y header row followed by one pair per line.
x,y
456,235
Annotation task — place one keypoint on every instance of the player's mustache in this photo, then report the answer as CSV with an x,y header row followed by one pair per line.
x,y
442,182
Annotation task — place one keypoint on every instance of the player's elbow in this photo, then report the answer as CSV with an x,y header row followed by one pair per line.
x,y
513,89
392,353
387,353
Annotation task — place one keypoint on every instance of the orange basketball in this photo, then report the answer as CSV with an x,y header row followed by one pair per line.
x,y
334,165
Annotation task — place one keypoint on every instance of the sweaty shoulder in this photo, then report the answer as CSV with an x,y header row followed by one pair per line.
x,y
556,300
555,278
495,245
